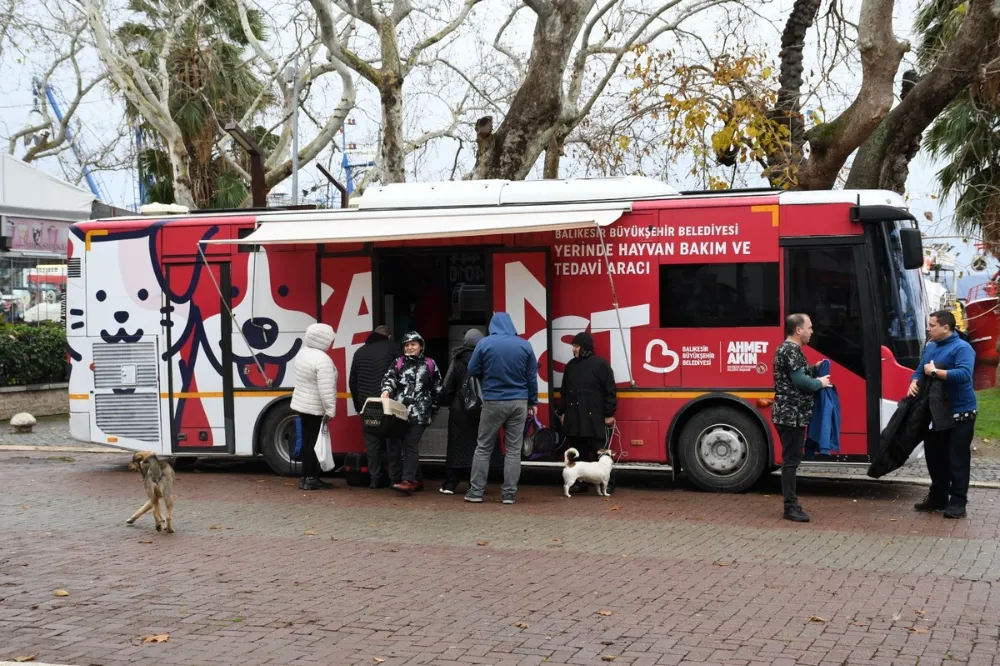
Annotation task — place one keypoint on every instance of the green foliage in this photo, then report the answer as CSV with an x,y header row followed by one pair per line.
x,y
210,85
32,354
988,421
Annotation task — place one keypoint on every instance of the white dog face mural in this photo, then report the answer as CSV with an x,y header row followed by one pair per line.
x,y
268,325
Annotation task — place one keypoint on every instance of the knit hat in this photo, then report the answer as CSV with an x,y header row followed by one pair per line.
x,y
472,337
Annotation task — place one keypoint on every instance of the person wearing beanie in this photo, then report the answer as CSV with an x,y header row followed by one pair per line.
x,y
415,381
463,423
588,401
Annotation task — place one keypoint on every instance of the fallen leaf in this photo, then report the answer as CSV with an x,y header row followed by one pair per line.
x,y
482,543
379,660
607,642
25,657
61,593
522,625
25,506
892,520
607,657
146,541
721,564
616,508
219,527
920,612
917,630
605,613
156,638
816,618
859,623
555,540
310,533
372,524
607,499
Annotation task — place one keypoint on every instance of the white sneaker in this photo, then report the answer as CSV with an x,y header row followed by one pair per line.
x,y
508,500
445,491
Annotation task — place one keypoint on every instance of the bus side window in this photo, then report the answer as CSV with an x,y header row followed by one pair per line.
x,y
246,247
822,282
719,295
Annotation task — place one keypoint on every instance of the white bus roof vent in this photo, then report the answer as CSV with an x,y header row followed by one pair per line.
x,y
451,194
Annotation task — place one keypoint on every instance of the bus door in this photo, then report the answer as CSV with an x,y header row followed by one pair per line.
x,y
345,302
200,376
520,281
828,279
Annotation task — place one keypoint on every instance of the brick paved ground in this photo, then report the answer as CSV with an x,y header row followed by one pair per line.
x,y
261,573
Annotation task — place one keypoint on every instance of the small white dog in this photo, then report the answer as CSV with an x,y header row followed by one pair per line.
x,y
598,473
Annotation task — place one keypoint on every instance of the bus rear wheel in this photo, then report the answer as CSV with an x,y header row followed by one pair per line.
x,y
277,440
723,450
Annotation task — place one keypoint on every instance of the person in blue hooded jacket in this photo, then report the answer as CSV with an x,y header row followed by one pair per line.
x,y
948,451
507,368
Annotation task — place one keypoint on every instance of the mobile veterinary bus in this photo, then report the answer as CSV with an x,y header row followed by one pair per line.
x,y
183,330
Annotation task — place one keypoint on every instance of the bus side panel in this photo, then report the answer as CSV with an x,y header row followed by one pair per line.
x,y
81,378
346,304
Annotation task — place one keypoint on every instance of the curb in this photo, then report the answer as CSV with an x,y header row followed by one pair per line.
x,y
33,663
910,480
57,449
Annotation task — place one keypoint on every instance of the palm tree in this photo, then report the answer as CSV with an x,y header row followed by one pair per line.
x,y
967,134
210,85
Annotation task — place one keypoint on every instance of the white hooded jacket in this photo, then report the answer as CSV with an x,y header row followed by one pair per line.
x,y
315,374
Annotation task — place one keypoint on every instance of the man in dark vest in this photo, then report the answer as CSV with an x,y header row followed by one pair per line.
x,y
369,367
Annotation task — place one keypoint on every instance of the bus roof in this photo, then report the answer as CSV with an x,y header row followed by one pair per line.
x,y
472,194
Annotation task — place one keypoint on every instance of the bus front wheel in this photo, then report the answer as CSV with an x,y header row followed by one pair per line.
x,y
277,440
723,450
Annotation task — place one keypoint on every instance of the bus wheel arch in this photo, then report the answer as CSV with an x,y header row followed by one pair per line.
x,y
270,434
743,448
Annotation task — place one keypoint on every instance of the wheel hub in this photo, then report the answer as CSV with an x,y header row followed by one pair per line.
x,y
722,450
284,436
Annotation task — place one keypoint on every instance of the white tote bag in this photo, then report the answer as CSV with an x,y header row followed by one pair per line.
x,y
324,451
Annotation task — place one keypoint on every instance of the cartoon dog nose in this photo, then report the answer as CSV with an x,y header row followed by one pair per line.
x,y
121,316
260,332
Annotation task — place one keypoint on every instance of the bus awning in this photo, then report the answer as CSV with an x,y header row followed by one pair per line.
x,y
353,226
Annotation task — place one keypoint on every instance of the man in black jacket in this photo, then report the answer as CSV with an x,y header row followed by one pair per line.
x,y
370,364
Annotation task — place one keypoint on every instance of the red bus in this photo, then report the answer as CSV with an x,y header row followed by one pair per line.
x,y
183,329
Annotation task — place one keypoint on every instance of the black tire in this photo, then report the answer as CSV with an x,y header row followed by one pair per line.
x,y
723,449
276,440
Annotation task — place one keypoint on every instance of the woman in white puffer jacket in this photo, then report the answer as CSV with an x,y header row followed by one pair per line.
x,y
314,397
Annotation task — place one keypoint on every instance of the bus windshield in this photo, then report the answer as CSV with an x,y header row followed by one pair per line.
x,y
903,296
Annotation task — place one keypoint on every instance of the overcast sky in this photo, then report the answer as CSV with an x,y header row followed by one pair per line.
x,y
101,117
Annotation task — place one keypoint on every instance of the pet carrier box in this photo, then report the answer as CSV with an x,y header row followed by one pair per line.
x,y
383,417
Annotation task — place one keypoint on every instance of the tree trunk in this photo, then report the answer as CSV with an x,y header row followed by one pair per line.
x,y
180,168
390,89
553,154
537,106
884,163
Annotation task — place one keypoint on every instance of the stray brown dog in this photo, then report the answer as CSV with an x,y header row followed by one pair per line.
x,y
158,477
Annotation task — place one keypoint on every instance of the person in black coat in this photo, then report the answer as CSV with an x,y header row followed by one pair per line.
x,y
463,426
370,364
588,400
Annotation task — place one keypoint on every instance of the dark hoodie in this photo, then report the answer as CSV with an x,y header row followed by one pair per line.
x,y
505,363
369,367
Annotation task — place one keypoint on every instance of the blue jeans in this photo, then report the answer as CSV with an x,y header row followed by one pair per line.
x,y
511,415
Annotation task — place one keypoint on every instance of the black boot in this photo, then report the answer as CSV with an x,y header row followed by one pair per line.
x,y
930,504
795,514
954,511
324,484
311,483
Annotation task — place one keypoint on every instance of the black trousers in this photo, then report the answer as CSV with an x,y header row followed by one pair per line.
x,y
404,455
949,462
311,425
454,476
793,441
376,450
